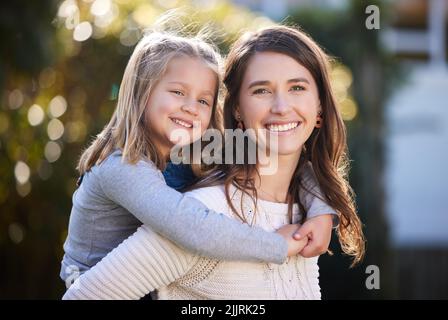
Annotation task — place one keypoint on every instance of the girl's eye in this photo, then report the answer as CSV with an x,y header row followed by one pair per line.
x,y
261,91
297,88
177,92
205,102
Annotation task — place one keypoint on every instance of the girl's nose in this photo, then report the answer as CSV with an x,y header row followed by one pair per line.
x,y
190,106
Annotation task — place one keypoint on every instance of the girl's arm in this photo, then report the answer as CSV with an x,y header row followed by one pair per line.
x,y
313,204
141,190
140,264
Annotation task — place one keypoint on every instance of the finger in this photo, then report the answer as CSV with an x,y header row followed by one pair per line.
x,y
309,251
303,231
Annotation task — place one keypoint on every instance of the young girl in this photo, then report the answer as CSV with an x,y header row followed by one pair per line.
x,y
170,83
277,80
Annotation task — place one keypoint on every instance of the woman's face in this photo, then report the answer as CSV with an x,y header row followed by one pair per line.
x,y
180,104
280,95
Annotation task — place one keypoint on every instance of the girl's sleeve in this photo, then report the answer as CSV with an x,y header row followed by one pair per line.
x,y
140,264
313,199
141,190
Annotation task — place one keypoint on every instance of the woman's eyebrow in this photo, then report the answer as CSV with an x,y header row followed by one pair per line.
x,y
298,80
266,82
258,83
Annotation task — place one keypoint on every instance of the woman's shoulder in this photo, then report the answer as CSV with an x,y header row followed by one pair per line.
x,y
212,197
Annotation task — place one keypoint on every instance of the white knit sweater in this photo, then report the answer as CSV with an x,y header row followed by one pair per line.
x,y
146,261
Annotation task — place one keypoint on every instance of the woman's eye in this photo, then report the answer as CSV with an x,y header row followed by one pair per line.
x,y
177,92
261,91
297,88
205,102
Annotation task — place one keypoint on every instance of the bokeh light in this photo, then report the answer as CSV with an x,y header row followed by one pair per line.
x,y
16,232
52,151
57,107
83,31
15,99
35,115
22,172
55,129
23,189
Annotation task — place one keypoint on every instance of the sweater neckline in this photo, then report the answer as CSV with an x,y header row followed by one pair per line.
x,y
270,207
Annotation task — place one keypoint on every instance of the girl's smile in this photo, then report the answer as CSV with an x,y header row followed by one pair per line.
x,y
181,101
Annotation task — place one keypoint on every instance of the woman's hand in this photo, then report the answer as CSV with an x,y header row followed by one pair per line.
x,y
294,246
317,232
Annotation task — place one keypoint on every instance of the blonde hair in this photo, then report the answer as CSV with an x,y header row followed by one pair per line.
x,y
128,129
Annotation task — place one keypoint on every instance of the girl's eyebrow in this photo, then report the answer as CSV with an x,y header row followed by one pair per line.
x,y
184,84
179,82
266,82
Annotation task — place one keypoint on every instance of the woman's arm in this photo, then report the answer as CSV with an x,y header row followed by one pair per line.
x,y
141,190
140,264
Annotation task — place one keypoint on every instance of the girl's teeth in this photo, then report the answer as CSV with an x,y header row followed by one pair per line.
x,y
182,123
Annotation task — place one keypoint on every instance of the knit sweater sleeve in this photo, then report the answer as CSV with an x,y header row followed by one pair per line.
x,y
140,264
141,190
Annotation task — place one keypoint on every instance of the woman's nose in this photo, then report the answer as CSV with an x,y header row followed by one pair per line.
x,y
280,104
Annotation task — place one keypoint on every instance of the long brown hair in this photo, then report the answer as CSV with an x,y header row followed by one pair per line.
x,y
326,148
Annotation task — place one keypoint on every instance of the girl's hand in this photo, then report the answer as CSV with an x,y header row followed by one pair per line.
x,y
294,246
317,232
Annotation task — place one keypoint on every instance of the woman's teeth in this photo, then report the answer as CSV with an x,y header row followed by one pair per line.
x,y
282,127
182,123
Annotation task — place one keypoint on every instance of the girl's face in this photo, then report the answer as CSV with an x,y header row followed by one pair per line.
x,y
180,104
280,95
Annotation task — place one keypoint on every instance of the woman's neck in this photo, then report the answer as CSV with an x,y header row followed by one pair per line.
x,y
274,187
